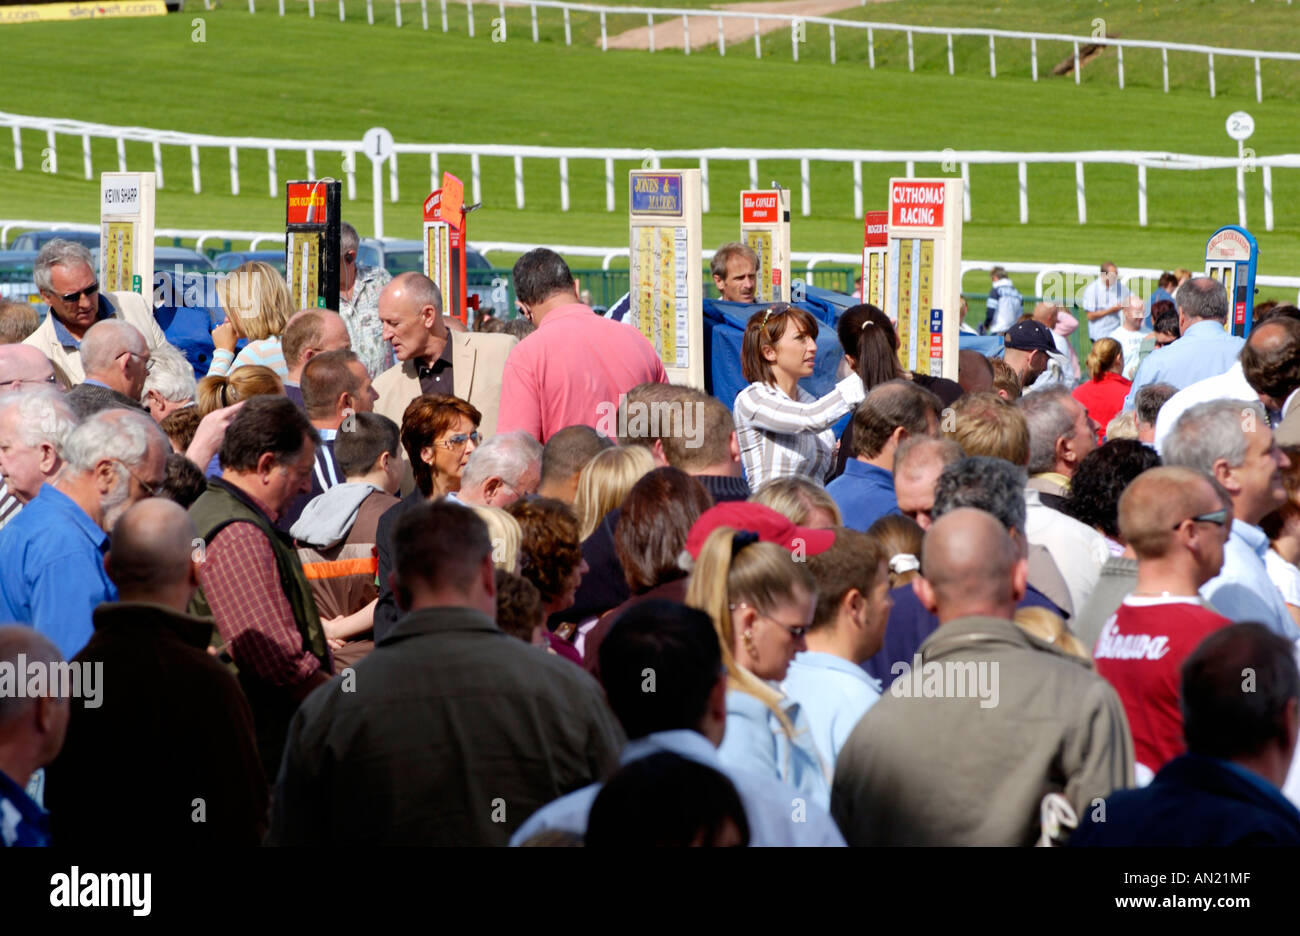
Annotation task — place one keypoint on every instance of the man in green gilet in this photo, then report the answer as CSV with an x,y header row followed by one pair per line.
x,y
251,580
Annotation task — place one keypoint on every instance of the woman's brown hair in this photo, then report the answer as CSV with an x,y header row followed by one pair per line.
x,y
217,392
427,417
653,524
764,330
551,549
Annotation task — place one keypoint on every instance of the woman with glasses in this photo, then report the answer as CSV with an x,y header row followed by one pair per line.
x,y
783,430
439,433
762,603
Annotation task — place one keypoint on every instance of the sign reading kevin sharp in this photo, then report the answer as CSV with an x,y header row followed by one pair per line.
x,y
916,204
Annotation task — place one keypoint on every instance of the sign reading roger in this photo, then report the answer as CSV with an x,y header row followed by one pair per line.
x,y
916,204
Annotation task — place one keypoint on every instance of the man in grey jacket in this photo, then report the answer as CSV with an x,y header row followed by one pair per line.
x,y
985,721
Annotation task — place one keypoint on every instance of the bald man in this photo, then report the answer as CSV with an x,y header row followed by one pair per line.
x,y
1020,716
174,714
917,467
433,358
116,360
21,366
31,732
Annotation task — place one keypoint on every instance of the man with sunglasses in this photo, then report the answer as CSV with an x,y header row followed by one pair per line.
x,y
116,361
66,279
1177,523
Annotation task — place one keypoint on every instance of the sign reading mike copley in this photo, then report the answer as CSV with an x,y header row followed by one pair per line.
x,y
916,204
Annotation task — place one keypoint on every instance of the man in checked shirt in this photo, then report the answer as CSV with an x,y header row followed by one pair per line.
x,y
251,580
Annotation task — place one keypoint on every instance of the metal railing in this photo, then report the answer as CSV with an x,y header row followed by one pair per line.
x,y
949,160
798,25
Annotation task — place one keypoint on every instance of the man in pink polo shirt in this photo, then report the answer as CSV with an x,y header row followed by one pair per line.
x,y
573,370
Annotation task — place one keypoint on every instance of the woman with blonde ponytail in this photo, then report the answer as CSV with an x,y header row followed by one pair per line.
x,y
762,602
1102,394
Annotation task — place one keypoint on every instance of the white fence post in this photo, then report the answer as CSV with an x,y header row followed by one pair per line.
x,y
392,178
806,184
1211,74
397,7
533,10
444,18
704,184
564,183
18,147
609,183
121,158
753,173
54,152
686,34
311,164
758,46
234,167
1142,195
250,7
1033,56
1259,87
568,32
832,43
911,60
350,166
282,7
85,155
469,7
1241,195
604,44
272,183
342,12
871,47
424,14
1268,198
501,7
1022,173
157,163
650,24
951,70
1076,63
909,169
1120,50
1079,196
476,174
857,188
194,170
434,181
722,39
370,12
1164,67
993,59
794,39
965,191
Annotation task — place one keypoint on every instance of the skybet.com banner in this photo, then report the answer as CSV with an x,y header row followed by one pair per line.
x,y
28,12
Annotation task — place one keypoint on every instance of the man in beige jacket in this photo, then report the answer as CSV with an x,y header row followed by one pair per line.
x,y
66,278
433,358
985,721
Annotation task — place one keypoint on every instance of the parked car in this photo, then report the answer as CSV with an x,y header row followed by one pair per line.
x,y
189,261
228,261
35,240
404,256
16,277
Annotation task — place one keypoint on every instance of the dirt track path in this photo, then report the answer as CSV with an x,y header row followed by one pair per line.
x,y
704,32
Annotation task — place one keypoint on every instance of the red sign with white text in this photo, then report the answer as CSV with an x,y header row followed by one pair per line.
x,y
760,207
877,229
916,204
306,203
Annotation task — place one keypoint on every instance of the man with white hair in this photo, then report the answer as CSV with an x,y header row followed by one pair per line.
x,y
34,425
66,278
24,366
169,384
1230,441
53,572
503,469
116,362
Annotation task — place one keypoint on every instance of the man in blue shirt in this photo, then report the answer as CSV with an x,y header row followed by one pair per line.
x,y
827,679
892,412
677,648
31,734
1102,300
1205,348
1226,789
52,576
1230,441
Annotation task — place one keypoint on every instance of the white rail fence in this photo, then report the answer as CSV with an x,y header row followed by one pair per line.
x,y
348,152
1043,272
798,26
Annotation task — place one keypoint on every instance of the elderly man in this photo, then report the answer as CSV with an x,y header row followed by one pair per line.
x,y
1061,434
116,362
32,729
917,467
1175,521
66,279
1226,789
53,573
251,579
173,713
1102,300
1268,371
735,272
1021,716
1204,350
359,289
308,333
503,469
892,413
21,366
1131,334
459,766
576,367
1230,441
34,427
433,358
169,384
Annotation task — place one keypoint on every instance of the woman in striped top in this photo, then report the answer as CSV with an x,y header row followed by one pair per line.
x,y
783,430
258,305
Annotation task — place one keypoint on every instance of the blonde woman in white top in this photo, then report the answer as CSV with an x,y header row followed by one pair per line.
x,y
783,430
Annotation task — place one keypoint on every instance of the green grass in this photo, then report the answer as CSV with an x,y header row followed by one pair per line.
x,y
302,78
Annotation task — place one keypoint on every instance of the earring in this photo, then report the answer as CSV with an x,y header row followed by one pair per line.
x,y
748,637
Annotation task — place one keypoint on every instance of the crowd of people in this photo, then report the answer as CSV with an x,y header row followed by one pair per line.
x,y
378,578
